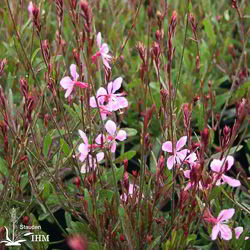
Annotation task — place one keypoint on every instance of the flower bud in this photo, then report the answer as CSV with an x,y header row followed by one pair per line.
x,y
73,4
36,18
2,65
24,87
122,237
2,99
25,220
76,56
77,181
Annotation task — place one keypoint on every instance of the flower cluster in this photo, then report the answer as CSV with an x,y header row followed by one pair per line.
x,y
179,157
102,140
220,224
183,156
107,100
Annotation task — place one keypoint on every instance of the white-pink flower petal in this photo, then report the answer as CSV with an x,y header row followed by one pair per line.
x,y
225,232
117,83
230,181
121,135
167,146
68,91
83,136
238,232
66,82
113,147
215,231
110,127
98,40
73,72
182,154
181,143
171,162
225,214
100,156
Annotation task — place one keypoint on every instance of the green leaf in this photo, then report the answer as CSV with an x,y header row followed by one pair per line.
x,y
88,199
220,81
25,25
34,54
106,194
4,167
191,237
46,190
68,218
108,176
136,82
153,162
209,30
81,228
24,180
127,227
240,92
190,7
64,146
220,100
130,131
126,156
46,144
226,15
71,111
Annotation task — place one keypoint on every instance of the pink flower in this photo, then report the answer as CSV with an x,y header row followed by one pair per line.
x,y
220,225
103,51
30,7
238,231
219,169
92,162
83,147
114,101
120,135
100,96
193,172
179,155
68,84
191,158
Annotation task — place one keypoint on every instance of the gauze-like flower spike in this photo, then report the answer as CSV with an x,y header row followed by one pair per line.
x,y
219,169
103,51
68,84
179,155
220,225
120,135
